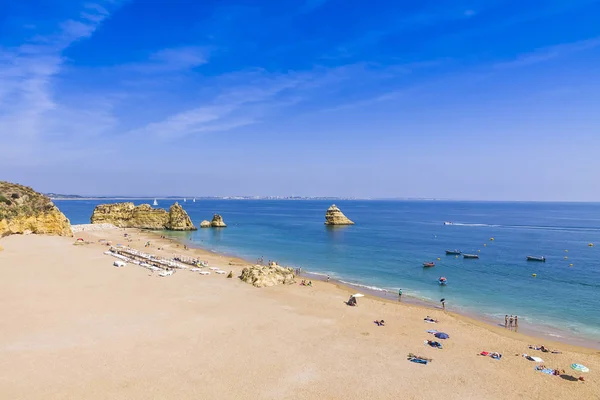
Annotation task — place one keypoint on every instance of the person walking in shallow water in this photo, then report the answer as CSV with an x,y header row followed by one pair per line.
x,y
510,322
506,321
399,294
516,323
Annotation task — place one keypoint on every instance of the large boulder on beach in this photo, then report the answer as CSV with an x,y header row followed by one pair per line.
x,y
128,215
205,224
217,222
335,216
25,211
267,275
179,220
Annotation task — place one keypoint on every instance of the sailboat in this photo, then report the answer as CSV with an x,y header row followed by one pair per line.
x,y
184,200
155,203
194,200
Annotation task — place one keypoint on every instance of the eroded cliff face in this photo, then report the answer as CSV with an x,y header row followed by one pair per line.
x,y
334,216
128,215
23,210
179,220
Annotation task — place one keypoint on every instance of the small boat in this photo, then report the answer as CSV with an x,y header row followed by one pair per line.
x,y
428,264
447,223
443,281
534,258
155,203
184,200
470,255
453,252
193,201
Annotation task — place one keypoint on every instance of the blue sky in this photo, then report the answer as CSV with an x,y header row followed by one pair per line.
x,y
470,99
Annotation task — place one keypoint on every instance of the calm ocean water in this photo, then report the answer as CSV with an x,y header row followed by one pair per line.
x,y
391,240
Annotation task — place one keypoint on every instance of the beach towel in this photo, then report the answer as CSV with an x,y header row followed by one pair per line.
x,y
431,331
418,360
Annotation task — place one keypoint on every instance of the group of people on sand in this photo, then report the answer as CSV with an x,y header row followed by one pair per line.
x,y
544,349
304,283
511,322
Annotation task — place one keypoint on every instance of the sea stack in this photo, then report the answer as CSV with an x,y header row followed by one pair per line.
x,y
205,224
217,222
25,211
334,216
127,215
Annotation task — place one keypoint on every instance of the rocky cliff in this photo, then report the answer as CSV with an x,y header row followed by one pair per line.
x,y
179,220
217,222
271,275
127,215
334,216
23,210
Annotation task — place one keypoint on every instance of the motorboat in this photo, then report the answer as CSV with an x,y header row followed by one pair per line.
x,y
447,223
443,281
453,252
428,264
471,255
536,258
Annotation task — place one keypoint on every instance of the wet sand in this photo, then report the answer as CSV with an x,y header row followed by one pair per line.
x,y
76,327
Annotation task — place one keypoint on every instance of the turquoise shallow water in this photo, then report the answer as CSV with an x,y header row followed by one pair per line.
x,y
391,240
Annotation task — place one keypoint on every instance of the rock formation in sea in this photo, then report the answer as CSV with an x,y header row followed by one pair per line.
x,y
23,210
334,216
179,220
205,224
127,215
267,275
217,222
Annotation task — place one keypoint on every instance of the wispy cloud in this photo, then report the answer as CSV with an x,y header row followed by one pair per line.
x,y
171,60
549,53
27,99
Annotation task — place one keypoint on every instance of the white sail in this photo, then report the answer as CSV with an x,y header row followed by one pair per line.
x,y
194,200
184,200
155,203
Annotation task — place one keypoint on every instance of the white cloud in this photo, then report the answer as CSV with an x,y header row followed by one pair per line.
x,y
549,53
28,107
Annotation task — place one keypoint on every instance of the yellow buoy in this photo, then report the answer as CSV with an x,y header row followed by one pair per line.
x,y
484,245
566,251
492,239
566,258
456,257
534,275
438,259
479,251
570,265
591,244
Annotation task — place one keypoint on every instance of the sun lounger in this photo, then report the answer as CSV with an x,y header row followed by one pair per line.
x,y
166,273
213,268
204,273
220,272
196,269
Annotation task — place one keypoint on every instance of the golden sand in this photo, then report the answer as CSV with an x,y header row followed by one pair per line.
x,y
75,327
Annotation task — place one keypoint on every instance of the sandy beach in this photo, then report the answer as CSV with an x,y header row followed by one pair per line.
x,y
75,327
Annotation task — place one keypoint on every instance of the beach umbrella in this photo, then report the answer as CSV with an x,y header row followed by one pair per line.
x,y
442,300
441,335
580,368
358,295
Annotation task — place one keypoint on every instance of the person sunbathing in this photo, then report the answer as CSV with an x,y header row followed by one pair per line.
x,y
380,323
429,319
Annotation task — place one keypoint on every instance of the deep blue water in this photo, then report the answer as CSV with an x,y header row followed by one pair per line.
x,y
391,240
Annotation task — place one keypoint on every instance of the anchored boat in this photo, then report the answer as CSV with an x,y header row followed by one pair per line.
x,y
453,252
535,258
428,264
443,281
470,255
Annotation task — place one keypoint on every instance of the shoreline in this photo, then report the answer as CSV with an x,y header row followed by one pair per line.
x,y
535,333
131,333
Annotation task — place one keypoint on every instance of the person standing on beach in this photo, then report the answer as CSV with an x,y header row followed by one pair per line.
x,y
516,323
399,294
443,301
506,321
510,322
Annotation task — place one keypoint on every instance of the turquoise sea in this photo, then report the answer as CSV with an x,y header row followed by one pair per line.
x,y
391,240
